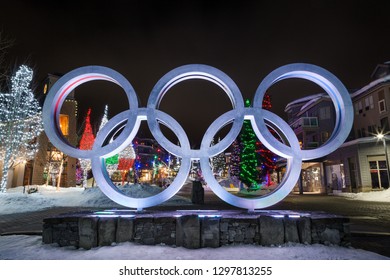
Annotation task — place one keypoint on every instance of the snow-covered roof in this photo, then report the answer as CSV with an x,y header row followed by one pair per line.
x,y
314,100
371,85
311,99
307,99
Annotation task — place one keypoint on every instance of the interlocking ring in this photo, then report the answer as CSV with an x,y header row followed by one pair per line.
x,y
130,120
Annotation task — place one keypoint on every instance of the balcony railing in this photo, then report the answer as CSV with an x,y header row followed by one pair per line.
x,y
309,122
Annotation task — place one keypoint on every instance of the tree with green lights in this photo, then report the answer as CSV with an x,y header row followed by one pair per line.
x,y
248,163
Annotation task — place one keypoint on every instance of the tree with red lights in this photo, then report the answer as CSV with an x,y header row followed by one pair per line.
x,y
87,138
126,162
86,143
266,158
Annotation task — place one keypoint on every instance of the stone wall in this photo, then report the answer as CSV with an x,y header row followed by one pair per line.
x,y
193,230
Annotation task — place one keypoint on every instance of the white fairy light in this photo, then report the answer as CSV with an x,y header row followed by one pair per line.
x,y
20,123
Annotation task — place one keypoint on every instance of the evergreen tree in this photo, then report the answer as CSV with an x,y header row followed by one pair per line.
x,y
20,123
248,163
86,143
111,162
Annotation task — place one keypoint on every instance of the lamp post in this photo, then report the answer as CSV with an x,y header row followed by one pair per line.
x,y
382,137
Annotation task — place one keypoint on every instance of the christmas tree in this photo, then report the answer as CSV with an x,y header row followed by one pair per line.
x,y
111,162
20,123
87,138
126,162
248,163
266,158
86,143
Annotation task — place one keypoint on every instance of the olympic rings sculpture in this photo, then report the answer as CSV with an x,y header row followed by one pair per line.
x,y
130,120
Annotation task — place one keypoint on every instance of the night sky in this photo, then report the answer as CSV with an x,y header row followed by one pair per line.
x,y
143,40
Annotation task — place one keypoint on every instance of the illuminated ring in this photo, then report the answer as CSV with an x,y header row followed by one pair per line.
x,y
102,176
63,87
294,163
131,119
187,72
332,86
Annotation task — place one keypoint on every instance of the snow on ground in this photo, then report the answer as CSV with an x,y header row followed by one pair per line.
x,y
31,247
15,201
378,196
22,247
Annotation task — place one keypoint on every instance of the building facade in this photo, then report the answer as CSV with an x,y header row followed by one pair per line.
x,y
361,163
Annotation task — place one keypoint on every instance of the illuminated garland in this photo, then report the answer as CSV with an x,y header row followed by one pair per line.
x,y
20,123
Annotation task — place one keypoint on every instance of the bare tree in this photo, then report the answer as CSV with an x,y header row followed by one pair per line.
x,y
5,44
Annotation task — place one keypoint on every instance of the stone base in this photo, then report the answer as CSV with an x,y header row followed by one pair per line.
x,y
195,228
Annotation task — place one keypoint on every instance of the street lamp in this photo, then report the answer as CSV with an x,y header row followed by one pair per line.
x,y
382,137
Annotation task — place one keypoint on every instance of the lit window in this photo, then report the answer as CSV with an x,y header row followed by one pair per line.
x,y
64,124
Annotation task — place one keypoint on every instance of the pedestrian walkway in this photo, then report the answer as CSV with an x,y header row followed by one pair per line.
x,y
370,221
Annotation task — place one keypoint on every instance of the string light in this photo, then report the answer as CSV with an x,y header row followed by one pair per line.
x,y
20,123
248,163
86,143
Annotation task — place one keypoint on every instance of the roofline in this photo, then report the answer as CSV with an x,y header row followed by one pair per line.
x,y
373,84
363,140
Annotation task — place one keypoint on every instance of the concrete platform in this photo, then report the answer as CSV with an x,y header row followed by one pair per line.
x,y
195,228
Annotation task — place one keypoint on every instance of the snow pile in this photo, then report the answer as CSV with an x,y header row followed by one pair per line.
x,y
21,247
378,196
235,186
15,201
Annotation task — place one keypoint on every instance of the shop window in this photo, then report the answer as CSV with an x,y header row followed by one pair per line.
x,y
378,171
335,177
